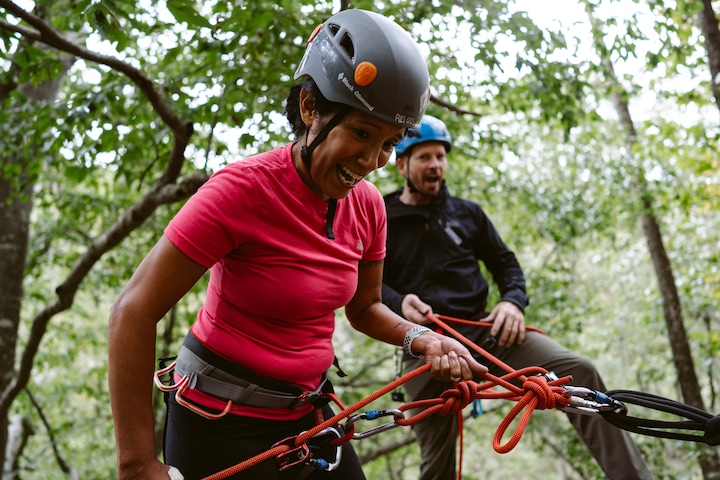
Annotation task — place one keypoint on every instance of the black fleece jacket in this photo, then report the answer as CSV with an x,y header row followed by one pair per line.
x,y
433,251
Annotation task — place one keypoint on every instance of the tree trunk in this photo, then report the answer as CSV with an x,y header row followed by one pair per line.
x,y
672,310
15,218
709,27
15,207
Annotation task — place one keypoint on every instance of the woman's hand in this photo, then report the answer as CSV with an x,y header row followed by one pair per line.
x,y
153,470
450,360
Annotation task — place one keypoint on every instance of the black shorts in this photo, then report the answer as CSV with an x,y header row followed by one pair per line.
x,y
200,447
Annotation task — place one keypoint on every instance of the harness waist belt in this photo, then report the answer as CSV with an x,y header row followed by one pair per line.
x,y
212,380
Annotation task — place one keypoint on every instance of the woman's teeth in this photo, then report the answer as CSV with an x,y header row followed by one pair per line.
x,y
347,177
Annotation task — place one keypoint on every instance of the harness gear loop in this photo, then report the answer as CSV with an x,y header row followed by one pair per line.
x,y
181,387
164,371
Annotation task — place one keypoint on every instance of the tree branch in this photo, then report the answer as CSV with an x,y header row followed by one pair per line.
x,y
61,462
162,192
454,108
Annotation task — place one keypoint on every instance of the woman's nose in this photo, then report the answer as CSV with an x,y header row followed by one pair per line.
x,y
370,159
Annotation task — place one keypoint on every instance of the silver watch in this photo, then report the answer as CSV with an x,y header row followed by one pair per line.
x,y
410,336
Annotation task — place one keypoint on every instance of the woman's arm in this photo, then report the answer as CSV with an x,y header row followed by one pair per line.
x,y
161,280
367,313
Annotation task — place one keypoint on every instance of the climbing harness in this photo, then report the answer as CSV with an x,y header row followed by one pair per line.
x,y
531,388
200,369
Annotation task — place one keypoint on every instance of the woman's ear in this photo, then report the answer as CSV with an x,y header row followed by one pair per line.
x,y
307,108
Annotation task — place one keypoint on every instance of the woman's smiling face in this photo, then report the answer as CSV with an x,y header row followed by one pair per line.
x,y
358,145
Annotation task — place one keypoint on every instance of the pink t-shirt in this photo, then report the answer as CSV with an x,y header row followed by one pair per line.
x,y
275,278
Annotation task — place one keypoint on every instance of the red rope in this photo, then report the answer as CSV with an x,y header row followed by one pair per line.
x,y
537,391
304,437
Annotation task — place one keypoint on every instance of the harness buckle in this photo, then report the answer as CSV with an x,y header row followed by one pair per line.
x,y
303,398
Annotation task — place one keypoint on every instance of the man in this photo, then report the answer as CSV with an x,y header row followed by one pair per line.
x,y
434,244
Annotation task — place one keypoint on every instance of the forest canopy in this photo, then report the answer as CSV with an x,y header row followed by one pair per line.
x,y
587,130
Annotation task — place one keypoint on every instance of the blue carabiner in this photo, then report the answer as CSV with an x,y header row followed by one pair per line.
x,y
372,415
591,402
321,463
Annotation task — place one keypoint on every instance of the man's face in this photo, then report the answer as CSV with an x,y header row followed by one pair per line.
x,y
425,167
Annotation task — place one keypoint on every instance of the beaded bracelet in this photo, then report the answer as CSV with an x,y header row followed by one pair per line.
x,y
411,335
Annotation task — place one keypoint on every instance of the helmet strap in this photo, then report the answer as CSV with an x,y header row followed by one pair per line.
x,y
409,183
306,154
307,150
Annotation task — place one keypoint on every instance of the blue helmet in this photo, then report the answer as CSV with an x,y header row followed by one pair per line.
x,y
431,129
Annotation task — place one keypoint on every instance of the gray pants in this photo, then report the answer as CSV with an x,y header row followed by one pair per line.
x,y
612,447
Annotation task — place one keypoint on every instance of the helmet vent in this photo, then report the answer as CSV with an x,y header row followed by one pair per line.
x,y
347,44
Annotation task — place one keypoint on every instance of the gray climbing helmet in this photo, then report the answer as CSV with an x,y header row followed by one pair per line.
x,y
364,60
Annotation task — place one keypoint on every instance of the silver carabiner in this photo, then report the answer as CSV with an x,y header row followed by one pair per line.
x,y
591,402
372,415
321,463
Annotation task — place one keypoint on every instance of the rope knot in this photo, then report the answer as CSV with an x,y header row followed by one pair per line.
x,y
712,431
547,398
455,399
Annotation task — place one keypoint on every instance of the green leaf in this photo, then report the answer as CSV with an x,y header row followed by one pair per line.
x,y
184,11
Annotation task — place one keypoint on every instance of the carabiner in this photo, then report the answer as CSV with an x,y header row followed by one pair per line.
x,y
321,463
372,415
592,402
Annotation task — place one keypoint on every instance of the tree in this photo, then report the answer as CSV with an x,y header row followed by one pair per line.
x,y
90,179
672,309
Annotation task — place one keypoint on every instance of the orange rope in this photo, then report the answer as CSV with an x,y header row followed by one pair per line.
x,y
537,392
304,437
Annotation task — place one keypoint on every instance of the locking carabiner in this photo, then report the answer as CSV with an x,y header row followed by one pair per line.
x,y
372,415
321,463
592,402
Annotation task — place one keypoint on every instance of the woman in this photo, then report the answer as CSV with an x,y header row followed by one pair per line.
x,y
290,236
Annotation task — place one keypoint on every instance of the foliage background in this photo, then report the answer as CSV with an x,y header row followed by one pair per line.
x,y
536,144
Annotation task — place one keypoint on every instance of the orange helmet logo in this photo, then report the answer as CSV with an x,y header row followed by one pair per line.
x,y
365,74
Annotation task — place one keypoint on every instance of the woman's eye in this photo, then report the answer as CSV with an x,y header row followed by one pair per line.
x,y
362,134
389,146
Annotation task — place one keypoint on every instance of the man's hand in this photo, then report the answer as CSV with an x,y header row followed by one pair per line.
x,y
507,318
415,309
